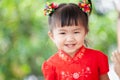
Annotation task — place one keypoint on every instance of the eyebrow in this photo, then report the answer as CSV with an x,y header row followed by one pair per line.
x,y
62,30
72,30
77,29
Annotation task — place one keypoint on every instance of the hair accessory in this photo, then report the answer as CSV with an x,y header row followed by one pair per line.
x,y
50,8
85,6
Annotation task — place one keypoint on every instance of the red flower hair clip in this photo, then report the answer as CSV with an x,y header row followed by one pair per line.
x,y
50,8
84,6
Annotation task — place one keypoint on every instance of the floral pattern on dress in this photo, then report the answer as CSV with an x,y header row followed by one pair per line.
x,y
84,73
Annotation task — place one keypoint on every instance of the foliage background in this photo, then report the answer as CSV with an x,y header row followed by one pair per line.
x,y
24,43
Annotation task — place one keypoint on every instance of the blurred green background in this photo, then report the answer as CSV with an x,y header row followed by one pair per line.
x,y
24,43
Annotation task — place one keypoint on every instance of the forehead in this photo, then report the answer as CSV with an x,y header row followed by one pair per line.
x,y
66,28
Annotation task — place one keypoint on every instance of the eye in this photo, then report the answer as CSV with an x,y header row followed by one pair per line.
x,y
76,32
62,33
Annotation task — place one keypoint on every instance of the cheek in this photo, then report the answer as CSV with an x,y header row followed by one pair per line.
x,y
58,43
57,40
80,39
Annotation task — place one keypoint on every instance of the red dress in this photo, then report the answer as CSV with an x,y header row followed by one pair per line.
x,y
87,64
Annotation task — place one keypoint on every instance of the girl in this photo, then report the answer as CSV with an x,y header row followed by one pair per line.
x,y
73,61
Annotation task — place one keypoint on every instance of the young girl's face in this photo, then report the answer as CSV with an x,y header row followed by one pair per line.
x,y
68,38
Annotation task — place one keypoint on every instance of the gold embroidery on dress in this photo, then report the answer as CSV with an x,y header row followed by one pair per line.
x,y
76,75
66,58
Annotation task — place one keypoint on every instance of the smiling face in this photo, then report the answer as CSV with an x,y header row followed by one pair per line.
x,y
68,38
68,27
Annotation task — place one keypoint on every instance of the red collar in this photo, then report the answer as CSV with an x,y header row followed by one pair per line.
x,y
78,55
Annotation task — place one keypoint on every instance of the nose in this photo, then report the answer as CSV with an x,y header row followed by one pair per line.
x,y
70,38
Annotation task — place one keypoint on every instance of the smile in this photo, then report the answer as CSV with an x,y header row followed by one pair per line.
x,y
70,45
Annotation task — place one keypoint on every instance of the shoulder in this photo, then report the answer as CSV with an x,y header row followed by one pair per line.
x,y
100,58
95,52
49,62
52,59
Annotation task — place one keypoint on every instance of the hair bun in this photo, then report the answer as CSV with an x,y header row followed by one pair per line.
x,y
50,8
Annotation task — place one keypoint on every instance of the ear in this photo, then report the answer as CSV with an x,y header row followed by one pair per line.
x,y
86,34
50,34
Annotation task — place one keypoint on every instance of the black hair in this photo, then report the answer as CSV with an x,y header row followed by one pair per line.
x,y
68,15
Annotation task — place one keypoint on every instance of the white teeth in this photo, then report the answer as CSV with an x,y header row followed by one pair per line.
x,y
70,45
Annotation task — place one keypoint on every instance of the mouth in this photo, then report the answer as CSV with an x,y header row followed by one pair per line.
x,y
70,45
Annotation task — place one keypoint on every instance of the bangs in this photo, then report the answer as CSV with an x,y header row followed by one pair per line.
x,y
72,16
68,18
